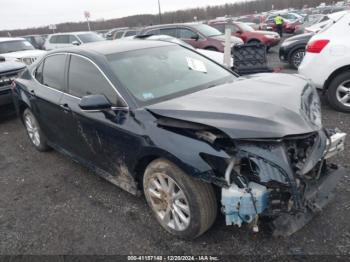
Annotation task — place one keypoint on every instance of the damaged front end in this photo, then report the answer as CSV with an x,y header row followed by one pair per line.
x,y
275,163
288,180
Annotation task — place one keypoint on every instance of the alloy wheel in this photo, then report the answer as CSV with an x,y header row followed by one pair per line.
x,y
169,202
343,93
32,129
298,58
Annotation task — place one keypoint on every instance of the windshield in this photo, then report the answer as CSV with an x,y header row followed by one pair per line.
x,y
15,46
156,74
245,28
207,30
90,37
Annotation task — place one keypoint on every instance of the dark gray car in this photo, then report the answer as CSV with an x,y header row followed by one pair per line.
x,y
9,70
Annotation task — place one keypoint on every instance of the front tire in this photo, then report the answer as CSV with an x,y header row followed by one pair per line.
x,y
184,206
338,93
36,136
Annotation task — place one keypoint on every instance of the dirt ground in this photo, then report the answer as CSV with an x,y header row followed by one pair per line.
x,y
51,205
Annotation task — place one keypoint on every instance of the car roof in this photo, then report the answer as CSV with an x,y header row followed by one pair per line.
x,y
72,33
6,39
172,25
113,47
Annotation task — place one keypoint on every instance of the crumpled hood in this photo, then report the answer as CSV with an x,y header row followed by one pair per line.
x,y
23,54
261,106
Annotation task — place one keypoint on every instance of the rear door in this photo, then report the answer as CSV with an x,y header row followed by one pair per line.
x,y
46,94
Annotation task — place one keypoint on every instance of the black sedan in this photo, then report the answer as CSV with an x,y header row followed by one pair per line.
x,y
158,118
292,50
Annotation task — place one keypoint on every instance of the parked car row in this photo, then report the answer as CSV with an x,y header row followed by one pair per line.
x,y
247,33
18,50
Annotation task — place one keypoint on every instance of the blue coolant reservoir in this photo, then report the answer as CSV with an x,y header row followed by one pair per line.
x,y
238,203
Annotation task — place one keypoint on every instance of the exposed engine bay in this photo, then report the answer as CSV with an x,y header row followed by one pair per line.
x,y
287,180
281,178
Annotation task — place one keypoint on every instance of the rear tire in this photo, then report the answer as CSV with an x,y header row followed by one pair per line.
x,y
197,201
36,136
297,57
338,93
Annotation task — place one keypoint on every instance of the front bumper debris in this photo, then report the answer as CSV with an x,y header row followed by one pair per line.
x,y
316,198
335,144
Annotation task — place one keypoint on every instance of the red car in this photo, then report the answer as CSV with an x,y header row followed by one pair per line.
x,y
289,27
247,33
198,35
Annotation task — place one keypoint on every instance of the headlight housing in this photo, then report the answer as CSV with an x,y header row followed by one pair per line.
x,y
311,106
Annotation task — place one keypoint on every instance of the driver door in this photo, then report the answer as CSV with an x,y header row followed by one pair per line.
x,y
98,138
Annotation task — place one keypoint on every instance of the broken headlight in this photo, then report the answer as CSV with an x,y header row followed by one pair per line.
x,y
311,106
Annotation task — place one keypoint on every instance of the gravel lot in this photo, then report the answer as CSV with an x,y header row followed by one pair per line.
x,y
51,205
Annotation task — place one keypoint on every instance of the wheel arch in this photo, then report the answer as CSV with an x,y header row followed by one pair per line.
x,y
207,175
334,74
211,47
290,53
254,40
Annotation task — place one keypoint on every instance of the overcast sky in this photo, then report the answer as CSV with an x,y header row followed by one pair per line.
x,y
28,13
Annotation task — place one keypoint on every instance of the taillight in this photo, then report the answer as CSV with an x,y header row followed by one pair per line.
x,y
316,46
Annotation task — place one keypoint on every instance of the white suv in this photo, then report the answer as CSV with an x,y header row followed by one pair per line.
x,y
327,62
61,40
19,50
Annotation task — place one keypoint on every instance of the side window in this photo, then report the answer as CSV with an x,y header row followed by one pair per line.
x,y
130,33
118,34
168,31
85,79
153,32
53,39
220,27
53,73
235,29
39,73
72,38
63,39
185,33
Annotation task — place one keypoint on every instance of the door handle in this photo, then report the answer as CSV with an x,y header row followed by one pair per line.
x,y
65,107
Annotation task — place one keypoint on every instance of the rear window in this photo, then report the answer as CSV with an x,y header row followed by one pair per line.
x,y
53,72
90,37
15,46
131,33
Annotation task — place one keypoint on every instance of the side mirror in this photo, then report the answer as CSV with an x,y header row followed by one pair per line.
x,y
95,103
239,32
75,43
195,37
